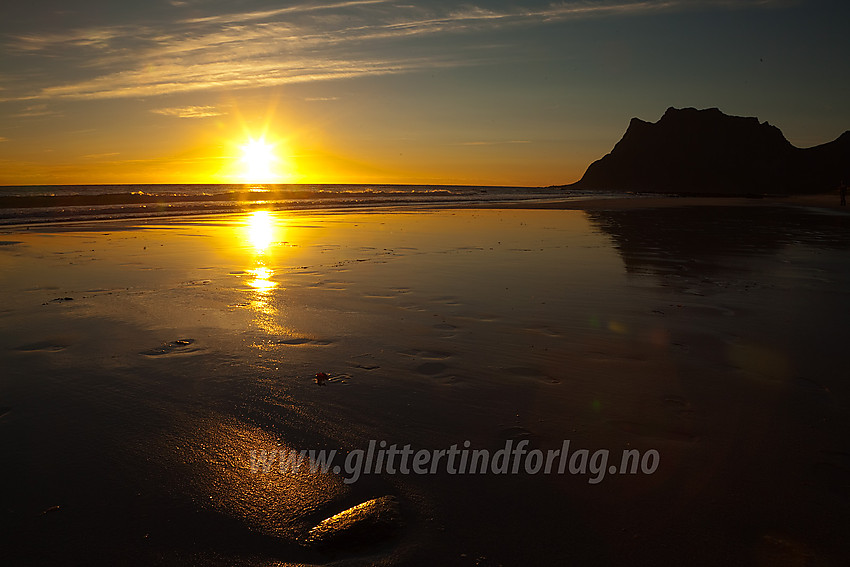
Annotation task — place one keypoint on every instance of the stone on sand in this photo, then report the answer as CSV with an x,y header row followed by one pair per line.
x,y
365,523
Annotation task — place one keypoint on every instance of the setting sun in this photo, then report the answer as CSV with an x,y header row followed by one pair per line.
x,y
259,160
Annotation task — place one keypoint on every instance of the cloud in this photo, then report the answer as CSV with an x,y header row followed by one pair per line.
x,y
2,139
167,78
189,111
35,110
87,37
100,156
495,143
302,43
267,14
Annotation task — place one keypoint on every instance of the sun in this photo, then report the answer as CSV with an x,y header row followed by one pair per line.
x,y
259,161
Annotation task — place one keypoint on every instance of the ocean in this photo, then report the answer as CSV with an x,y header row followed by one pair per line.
x,y
60,203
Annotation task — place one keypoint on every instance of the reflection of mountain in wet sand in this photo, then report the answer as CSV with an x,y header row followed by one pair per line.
x,y
761,362
690,240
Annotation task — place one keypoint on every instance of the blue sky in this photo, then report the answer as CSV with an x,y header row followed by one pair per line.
x,y
371,90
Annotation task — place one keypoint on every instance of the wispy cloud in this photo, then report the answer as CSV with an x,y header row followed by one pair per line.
x,y
167,78
495,143
88,37
189,111
302,43
100,156
2,139
268,14
35,110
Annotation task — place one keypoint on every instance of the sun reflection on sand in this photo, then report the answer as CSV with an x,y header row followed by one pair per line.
x,y
261,232
261,281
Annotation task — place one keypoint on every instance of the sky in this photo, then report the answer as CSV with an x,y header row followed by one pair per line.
x,y
498,92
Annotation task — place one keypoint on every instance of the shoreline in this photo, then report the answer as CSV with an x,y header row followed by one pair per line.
x,y
645,201
633,202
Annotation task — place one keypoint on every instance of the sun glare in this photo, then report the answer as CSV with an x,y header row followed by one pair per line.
x,y
262,279
259,160
261,230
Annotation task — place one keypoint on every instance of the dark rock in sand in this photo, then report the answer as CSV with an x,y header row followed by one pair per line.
x,y
180,346
708,152
50,345
363,524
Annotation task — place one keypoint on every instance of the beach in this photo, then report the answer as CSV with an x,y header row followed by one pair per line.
x,y
148,363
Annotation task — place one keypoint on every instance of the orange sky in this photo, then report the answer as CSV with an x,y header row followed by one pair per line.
x,y
313,141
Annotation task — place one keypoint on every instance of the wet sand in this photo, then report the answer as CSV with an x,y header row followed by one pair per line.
x,y
144,361
649,200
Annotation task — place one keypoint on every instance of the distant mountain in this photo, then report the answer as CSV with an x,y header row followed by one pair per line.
x,y
708,152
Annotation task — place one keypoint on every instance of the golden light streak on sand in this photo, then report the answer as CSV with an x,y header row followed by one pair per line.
x,y
261,231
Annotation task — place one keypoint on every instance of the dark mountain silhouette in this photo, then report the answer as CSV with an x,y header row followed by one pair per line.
x,y
708,152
